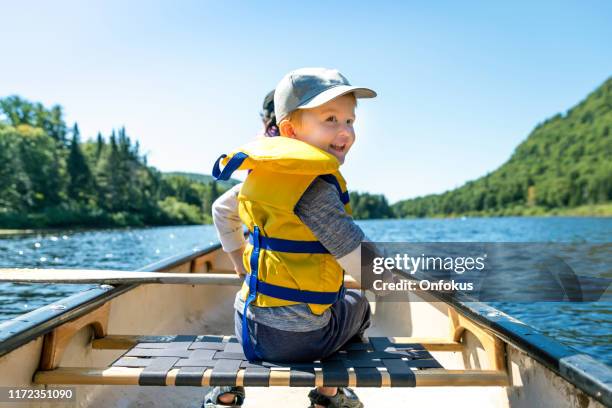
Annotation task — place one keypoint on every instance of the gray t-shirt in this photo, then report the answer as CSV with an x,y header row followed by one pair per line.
x,y
321,210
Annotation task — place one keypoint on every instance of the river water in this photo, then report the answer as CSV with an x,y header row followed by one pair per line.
x,y
587,326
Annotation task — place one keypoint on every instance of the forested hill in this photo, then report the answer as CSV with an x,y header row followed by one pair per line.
x,y
565,162
50,178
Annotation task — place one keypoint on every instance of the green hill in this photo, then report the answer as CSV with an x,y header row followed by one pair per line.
x,y
563,167
202,178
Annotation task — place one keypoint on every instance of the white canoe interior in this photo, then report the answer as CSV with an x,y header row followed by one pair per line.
x,y
479,368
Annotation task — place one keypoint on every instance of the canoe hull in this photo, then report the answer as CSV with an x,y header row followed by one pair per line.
x,y
157,309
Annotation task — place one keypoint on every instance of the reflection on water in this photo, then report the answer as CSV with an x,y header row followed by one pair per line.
x,y
119,249
586,326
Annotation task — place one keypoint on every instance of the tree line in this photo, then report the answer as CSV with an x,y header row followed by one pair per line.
x,y
370,206
50,178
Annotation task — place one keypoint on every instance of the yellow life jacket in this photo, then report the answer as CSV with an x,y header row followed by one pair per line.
x,y
290,264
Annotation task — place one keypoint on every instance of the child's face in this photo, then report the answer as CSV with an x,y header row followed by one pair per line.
x,y
329,126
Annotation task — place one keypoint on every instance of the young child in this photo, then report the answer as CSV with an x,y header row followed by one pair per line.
x,y
293,306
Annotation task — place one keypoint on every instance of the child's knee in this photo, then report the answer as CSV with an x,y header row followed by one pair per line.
x,y
361,302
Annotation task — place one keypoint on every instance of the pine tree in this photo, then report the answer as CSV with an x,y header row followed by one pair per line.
x,y
81,180
214,191
99,146
56,127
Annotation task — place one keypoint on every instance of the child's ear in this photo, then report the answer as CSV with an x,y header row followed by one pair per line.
x,y
286,128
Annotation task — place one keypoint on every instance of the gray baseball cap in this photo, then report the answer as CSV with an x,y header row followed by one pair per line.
x,y
307,88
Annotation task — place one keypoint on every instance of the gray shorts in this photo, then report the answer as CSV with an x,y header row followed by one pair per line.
x,y
350,317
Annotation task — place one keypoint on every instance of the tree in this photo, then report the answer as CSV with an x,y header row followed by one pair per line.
x,y
81,182
14,181
369,206
43,160
99,146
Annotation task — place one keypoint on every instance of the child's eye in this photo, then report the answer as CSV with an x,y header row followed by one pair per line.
x,y
331,119
350,121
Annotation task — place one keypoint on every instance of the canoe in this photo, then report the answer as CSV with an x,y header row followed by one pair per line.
x,y
481,357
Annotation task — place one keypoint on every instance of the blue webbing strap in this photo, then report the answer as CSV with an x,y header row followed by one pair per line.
x,y
256,286
230,167
296,295
247,346
331,179
286,245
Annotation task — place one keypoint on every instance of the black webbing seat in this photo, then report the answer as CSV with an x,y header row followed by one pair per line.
x,y
192,356
185,360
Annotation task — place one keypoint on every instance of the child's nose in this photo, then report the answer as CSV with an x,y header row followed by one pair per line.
x,y
345,131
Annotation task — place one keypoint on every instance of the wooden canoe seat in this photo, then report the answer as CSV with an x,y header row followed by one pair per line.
x,y
185,360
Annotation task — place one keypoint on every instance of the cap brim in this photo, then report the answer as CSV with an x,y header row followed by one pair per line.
x,y
335,92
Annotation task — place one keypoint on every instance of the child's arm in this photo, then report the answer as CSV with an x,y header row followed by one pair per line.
x,y
322,211
229,226
351,263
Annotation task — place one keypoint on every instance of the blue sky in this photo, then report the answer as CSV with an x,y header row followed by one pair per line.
x,y
460,84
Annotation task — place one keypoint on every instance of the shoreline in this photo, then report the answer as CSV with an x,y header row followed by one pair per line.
x,y
6,232
15,232
583,211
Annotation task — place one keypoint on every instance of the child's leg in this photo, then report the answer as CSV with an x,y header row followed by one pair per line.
x,y
351,316
349,319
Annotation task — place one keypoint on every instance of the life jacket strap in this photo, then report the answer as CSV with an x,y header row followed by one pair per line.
x,y
247,345
296,295
287,245
231,166
329,178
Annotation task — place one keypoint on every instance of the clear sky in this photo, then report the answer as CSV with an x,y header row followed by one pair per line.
x,y
460,84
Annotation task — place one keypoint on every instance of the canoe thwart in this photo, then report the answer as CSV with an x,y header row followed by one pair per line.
x,y
125,341
112,277
190,360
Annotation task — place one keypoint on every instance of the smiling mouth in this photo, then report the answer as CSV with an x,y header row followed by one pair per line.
x,y
338,147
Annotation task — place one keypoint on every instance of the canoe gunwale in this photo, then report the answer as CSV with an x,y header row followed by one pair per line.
x,y
20,330
587,374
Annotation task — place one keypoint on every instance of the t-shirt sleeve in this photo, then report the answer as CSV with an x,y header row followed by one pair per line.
x,y
321,210
227,221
